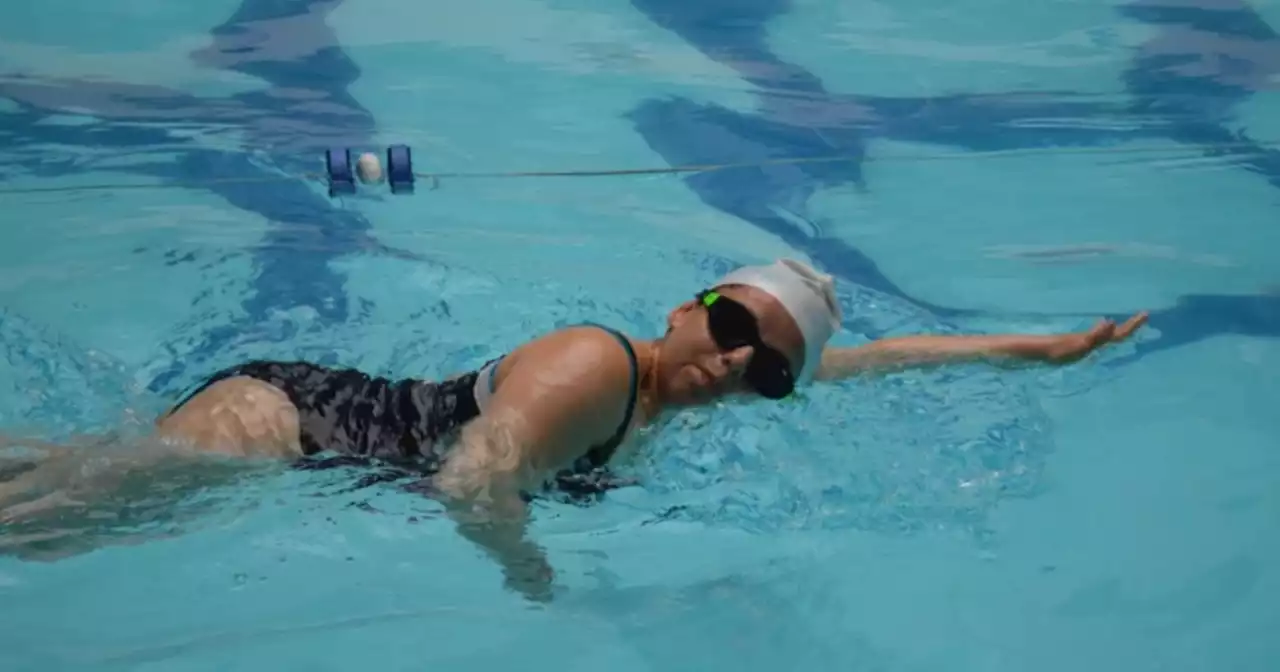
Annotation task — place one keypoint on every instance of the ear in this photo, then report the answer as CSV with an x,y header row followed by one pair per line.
x,y
679,314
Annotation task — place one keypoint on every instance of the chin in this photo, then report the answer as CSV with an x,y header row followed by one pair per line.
x,y
695,396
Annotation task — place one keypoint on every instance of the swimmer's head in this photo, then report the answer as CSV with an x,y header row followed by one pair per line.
x,y
759,330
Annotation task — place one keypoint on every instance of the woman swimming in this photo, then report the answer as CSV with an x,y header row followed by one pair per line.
x,y
561,406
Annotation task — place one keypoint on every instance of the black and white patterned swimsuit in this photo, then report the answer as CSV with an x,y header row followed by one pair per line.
x,y
406,422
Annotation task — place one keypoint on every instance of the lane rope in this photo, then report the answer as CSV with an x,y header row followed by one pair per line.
x,y
434,178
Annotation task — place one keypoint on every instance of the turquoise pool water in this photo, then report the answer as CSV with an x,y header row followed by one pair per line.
x,y
1005,167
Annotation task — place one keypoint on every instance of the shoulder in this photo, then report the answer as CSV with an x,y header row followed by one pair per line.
x,y
568,389
581,371
581,355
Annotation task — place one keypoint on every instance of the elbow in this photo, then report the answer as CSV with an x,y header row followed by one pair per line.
x,y
485,464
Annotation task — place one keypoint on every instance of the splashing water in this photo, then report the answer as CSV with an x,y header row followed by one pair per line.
x,y
51,386
894,455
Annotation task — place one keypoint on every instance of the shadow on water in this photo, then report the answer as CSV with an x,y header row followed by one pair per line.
x,y
781,617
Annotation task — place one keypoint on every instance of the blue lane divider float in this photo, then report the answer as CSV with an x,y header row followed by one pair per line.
x,y
400,169
342,172
337,163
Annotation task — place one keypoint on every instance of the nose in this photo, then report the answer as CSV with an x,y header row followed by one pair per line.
x,y
730,364
738,358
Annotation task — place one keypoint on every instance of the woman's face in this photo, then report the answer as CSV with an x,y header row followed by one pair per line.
x,y
694,369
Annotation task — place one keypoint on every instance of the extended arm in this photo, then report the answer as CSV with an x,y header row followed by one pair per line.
x,y
894,354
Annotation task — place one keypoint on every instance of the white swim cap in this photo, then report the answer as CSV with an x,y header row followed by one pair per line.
x,y
809,296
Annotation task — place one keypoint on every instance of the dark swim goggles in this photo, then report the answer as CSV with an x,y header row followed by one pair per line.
x,y
732,326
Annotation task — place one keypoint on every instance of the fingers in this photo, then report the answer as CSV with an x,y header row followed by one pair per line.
x,y
1106,330
1131,325
1072,347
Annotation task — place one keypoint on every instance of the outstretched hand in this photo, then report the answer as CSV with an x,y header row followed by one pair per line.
x,y
1075,346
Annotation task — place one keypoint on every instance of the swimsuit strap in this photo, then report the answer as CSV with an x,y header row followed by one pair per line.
x,y
599,455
